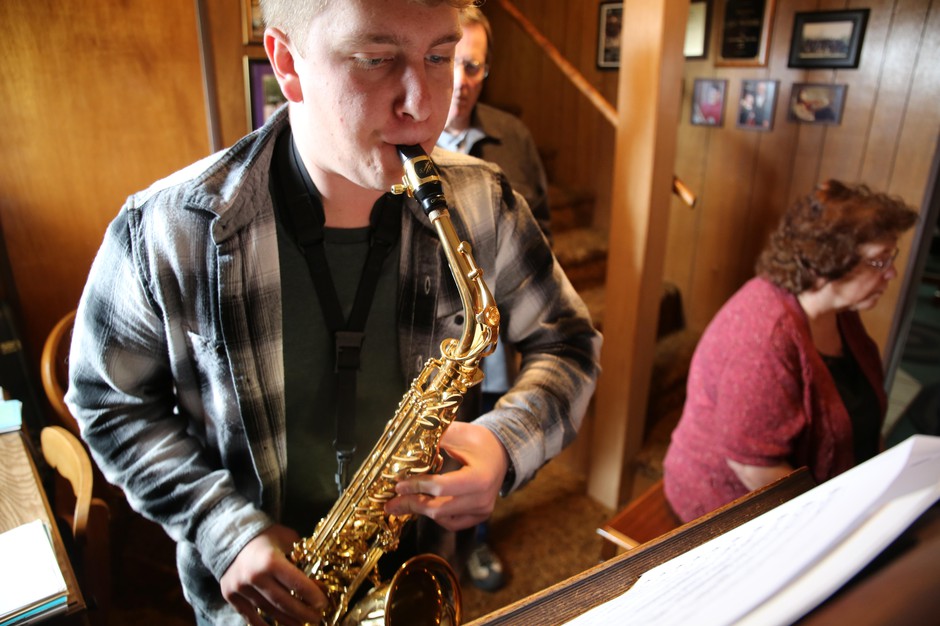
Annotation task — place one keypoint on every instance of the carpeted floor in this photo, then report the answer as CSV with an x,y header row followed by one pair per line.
x,y
544,533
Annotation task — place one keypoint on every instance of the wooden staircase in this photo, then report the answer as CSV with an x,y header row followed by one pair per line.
x,y
580,247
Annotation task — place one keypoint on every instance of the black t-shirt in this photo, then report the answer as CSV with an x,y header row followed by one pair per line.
x,y
310,386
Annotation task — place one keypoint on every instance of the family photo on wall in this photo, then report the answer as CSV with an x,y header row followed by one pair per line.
x,y
820,40
756,107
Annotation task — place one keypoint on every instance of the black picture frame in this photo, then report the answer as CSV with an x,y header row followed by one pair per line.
x,y
262,92
816,103
828,39
757,105
708,102
697,29
609,28
746,26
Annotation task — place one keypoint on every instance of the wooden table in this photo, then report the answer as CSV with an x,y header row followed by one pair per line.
x,y
23,500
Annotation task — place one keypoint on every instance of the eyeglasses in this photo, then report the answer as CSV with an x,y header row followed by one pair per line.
x,y
473,68
883,262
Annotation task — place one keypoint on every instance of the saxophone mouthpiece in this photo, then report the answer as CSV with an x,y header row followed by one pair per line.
x,y
421,180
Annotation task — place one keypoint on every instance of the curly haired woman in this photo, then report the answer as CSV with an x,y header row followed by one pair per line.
x,y
785,375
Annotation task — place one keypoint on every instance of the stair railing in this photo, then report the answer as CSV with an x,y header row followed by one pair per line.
x,y
596,98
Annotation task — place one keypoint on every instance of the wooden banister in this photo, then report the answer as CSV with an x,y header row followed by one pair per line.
x,y
570,71
596,98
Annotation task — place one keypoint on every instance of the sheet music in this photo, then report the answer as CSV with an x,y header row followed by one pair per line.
x,y
776,567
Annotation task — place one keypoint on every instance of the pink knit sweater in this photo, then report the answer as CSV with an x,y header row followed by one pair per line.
x,y
760,394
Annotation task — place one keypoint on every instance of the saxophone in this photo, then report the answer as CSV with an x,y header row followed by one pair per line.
x,y
344,549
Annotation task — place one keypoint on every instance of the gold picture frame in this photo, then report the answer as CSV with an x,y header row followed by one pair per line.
x,y
252,22
745,29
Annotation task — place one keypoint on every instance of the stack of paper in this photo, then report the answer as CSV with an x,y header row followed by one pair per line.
x,y
11,415
779,566
31,583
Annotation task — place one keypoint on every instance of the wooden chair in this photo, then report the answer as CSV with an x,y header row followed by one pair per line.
x,y
87,517
642,520
54,369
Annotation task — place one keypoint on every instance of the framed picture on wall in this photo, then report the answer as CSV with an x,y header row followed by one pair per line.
x,y
252,23
757,104
828,39
696,29
608,35
745,33
816,103
263,94
708,102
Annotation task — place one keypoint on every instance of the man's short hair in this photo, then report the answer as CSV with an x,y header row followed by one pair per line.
x,y
292,16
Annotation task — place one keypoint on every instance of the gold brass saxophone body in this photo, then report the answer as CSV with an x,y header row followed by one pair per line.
x,y
344,549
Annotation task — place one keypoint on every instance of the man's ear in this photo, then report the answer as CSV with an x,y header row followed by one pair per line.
x,y
281,55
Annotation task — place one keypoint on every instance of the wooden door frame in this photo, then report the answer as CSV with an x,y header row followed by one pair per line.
x,y
649,99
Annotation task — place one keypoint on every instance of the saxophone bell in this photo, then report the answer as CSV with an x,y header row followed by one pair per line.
x,y
424,590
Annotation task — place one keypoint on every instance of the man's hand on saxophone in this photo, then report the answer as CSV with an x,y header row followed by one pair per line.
x,y
262,578
464,497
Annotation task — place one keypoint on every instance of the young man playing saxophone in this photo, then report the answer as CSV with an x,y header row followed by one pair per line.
x,y
202,367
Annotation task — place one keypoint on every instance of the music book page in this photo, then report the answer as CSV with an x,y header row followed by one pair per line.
x,y
30,577
779,566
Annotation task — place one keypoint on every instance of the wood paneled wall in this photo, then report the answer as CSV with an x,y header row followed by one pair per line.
x,y
98,100
576,140
744,179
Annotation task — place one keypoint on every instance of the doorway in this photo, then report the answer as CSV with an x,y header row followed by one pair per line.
x,y
913,369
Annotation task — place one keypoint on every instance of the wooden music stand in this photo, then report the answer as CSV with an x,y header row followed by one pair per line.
x,y
570,598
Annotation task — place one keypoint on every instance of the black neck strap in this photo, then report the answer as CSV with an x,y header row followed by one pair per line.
x,y
302,212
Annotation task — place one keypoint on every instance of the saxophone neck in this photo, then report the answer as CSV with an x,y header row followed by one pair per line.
x,y
481,316
422,181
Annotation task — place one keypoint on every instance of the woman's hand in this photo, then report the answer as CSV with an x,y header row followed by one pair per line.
x,y
756,476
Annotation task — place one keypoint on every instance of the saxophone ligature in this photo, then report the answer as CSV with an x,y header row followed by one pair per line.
x,y
343,551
